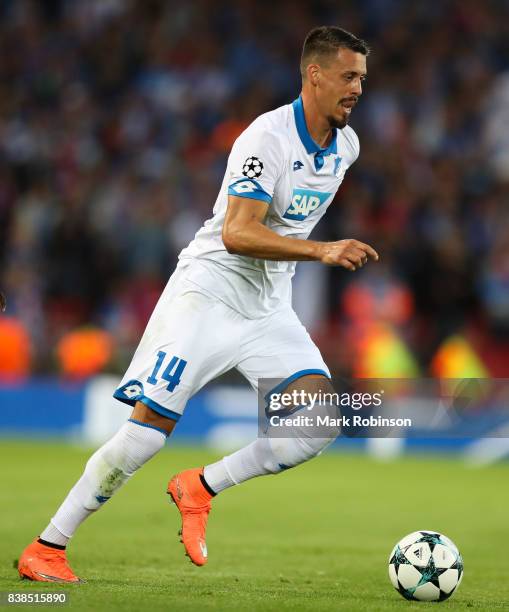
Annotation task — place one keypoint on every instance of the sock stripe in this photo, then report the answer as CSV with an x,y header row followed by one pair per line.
x,y
165,433
206,486
50,544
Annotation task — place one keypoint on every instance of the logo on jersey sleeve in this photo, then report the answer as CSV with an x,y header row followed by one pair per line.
x,y
249,188
304,202
253,167
241,187
131,390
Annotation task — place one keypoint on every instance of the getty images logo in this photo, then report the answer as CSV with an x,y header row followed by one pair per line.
x,y
304,202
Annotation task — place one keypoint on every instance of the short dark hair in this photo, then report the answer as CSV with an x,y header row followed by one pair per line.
x,y
326,40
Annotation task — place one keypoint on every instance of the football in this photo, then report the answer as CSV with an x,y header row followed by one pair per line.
x,y
425,566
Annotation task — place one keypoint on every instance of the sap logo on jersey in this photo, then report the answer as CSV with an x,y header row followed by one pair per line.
x,y
304,202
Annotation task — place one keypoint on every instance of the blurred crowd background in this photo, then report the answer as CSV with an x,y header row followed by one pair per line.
x,y
116,120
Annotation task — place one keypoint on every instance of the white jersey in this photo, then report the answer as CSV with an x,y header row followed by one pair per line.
x,y
274,160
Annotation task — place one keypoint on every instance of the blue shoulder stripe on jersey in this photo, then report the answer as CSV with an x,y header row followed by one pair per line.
x,y
309,144
249,188
283,384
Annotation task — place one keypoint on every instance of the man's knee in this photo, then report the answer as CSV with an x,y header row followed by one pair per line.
x,y
144,414
307,436
310,384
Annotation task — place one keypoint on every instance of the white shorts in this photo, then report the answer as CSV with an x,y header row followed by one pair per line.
x,y
193,337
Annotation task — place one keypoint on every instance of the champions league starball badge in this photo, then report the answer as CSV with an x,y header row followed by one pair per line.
x,y
253,167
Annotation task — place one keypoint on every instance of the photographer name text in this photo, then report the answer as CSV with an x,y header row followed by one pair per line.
x,y
304,420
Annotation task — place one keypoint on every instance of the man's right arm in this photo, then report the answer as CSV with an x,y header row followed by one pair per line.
x,y
245,234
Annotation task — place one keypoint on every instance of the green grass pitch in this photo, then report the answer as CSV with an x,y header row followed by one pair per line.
x,y
314,538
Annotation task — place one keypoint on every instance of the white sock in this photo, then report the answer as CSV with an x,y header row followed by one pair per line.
x,y
263,456
51,534
106,471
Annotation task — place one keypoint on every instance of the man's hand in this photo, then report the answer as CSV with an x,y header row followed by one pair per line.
x,y
350,254
3,302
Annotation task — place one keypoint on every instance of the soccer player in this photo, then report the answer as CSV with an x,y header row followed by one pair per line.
x,y
228,304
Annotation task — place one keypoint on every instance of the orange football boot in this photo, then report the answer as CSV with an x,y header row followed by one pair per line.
x,y
45,564
193,501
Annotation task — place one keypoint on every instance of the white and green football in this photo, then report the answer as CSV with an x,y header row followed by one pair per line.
x,y
425,566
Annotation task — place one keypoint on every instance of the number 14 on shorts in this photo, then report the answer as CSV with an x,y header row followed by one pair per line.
x,y
171,373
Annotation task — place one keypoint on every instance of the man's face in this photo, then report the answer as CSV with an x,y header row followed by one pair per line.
x,y
339,85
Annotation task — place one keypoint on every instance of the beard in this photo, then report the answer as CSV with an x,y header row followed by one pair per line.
x,y
334,122
338,123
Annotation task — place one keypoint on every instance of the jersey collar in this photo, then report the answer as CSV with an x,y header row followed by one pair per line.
x,y
309,144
